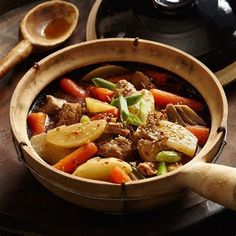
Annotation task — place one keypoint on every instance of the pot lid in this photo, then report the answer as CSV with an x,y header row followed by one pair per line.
x,y
202,28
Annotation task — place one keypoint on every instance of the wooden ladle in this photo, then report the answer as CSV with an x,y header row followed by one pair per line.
x,y
44,27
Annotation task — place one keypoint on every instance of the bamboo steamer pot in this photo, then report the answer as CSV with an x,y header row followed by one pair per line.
x,y
213,181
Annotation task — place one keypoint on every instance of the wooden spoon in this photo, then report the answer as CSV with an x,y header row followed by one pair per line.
x,y
44,27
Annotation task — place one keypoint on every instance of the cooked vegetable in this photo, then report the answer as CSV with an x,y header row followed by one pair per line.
x,y
201,132
163,98
168,156
99,82
47,151
136,172
144,106
179,138
70,87
162,168
159,77
96,106
118,176
131,100
124,111
125,115
102,94
37,122
100,168
84,119
76,158
75,135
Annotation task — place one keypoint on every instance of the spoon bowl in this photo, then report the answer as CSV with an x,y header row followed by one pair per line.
x,y
44,27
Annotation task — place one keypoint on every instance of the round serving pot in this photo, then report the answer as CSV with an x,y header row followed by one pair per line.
x,y
215,182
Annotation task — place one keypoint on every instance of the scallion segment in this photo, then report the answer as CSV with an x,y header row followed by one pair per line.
x,y
99,82
126,116
124,111
162,168
131,100
168,156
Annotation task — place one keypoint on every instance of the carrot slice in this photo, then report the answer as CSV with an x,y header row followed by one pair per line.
x,y
201,132
159,77
37,122
102,94
163,98
118,176
69,163
70,87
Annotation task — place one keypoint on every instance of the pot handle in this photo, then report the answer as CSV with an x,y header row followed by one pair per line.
x,y
212,181
227,74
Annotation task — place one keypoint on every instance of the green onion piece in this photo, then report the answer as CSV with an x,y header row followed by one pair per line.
x,y
84,119
136,172
131,100
99,82
133,120
168,156
124,111
162,168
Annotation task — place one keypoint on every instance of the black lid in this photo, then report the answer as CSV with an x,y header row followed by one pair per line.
x,y
202,28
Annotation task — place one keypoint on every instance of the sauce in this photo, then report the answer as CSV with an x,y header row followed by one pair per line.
x,y
56,28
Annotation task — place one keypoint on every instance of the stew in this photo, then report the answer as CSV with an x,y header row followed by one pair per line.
x,y
118,122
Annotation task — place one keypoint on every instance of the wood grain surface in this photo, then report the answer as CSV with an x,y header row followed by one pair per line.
x,y
27,207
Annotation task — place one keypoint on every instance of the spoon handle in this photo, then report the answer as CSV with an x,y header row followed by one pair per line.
x,y
15,56
227,74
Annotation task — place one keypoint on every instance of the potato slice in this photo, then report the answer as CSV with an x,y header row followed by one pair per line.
x,y
100,168
75,135
179,138
47,151
96,106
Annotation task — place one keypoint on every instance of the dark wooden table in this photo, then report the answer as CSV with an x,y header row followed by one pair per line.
x,y
27,208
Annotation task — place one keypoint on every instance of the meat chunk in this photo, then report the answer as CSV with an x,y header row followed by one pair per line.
x,y
148,169
124,88
149,149
149,130
70,114
117,128
141,81
52,105
150,140
120,147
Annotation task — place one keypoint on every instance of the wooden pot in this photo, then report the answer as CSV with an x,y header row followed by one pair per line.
x,y
215,182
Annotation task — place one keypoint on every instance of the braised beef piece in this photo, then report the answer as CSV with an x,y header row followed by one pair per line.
x,y
148,169
52,105
117,128
120,147
148,149
141,81
149,139
149,130
124,88
70,114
